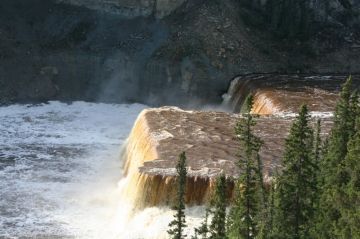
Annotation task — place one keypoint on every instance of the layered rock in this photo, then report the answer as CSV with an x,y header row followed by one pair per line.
x,y
208,138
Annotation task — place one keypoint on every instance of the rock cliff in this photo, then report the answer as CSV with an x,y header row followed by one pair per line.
x,y
130,8
158,52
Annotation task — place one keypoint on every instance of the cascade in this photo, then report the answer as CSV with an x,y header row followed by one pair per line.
x,y
264,104
274,94
160,135
157,186
241,87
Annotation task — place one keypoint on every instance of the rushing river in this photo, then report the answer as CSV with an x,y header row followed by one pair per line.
x,y
60,170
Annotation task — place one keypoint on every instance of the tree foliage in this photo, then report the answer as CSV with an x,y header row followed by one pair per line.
x,y
315,196
244,217
217,227
178,224
349,207
296,189
334,175
203,231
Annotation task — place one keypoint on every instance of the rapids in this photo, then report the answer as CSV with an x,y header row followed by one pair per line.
x,y
61,174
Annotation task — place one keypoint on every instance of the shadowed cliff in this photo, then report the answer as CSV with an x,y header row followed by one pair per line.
x,y
157,52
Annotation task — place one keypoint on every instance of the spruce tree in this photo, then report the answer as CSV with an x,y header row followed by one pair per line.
x,y
333,176
218,222
296,189
244,217
349,221
267,223
178,224
203,231
318,142
319,150
343,129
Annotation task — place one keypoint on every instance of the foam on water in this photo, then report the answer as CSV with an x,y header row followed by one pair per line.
x,y
60,173
313,114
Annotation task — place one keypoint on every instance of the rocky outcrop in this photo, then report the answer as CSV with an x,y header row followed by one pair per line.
x,y
208,138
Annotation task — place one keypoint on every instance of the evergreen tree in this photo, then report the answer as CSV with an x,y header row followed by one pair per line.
x,y
334,177
249,200
349,207
343,129
318,149
218,222
203,231
178,224
296,189
267,224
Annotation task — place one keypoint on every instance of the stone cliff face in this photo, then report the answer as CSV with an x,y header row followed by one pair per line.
x,y
154,51
130,8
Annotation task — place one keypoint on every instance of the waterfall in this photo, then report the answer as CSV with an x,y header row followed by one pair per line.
x,y
278,94
240,88
147,189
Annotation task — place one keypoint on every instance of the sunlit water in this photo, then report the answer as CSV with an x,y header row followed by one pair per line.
x,y
60,171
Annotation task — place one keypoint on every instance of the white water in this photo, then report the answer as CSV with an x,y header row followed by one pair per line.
x,y
60,173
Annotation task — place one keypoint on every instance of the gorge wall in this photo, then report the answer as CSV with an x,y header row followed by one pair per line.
x,y
130,8
158,52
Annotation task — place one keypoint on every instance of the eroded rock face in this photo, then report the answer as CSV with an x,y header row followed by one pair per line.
x,y
102,56
208,138
121,51
331,11
130,8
